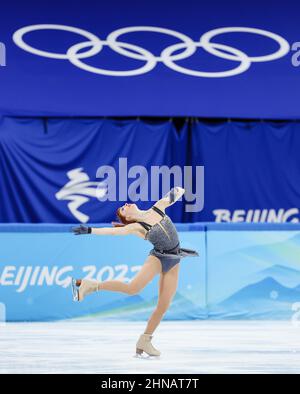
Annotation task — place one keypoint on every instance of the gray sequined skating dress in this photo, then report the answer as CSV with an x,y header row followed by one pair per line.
x,y
164,237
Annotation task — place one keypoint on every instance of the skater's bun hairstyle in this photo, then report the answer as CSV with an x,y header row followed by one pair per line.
x,y
122,220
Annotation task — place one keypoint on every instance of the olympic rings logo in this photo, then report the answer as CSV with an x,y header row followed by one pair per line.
x,y
187,47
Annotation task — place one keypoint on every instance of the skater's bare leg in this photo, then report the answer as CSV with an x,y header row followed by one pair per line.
x,y
167,289
150,268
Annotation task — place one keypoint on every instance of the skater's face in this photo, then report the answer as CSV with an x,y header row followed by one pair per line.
x,y
129,210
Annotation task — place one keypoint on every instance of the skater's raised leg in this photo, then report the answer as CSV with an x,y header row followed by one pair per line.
x,y
149,270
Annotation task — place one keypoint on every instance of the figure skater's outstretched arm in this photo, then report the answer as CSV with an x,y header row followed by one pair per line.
x,y
150,268
133,228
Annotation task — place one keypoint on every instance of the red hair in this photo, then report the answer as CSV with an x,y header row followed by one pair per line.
x,y
122,220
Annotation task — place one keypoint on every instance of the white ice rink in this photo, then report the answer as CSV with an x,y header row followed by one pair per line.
x,y
187,347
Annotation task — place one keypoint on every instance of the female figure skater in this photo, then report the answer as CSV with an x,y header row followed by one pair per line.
x,y
155,226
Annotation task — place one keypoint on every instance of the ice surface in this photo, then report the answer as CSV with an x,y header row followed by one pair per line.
x,y
186,346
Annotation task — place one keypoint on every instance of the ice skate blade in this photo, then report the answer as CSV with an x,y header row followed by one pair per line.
x,y
74,290
145,356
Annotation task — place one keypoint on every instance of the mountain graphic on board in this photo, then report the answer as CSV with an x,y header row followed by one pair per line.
x,y
286,276
266,298
262,291
253,259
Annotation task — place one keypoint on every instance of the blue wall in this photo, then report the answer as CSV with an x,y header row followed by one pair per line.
x,y
244,271
49,169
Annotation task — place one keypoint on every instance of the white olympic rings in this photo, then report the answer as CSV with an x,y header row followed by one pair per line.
x,y
168,57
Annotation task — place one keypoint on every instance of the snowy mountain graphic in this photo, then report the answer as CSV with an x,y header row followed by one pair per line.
x,y
267,299
278,258
286,276
258,257
262,291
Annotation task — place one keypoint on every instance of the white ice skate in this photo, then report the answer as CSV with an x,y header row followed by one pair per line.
x,y
144,345
86,287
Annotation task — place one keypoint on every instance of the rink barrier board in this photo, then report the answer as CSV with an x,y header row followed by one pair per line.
x,y
244,271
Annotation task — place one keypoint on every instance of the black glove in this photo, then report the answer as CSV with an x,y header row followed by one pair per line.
x,y
82,230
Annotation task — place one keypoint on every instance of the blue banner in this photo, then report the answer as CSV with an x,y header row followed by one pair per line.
x,y
116,58
75,170
82,170
250,170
